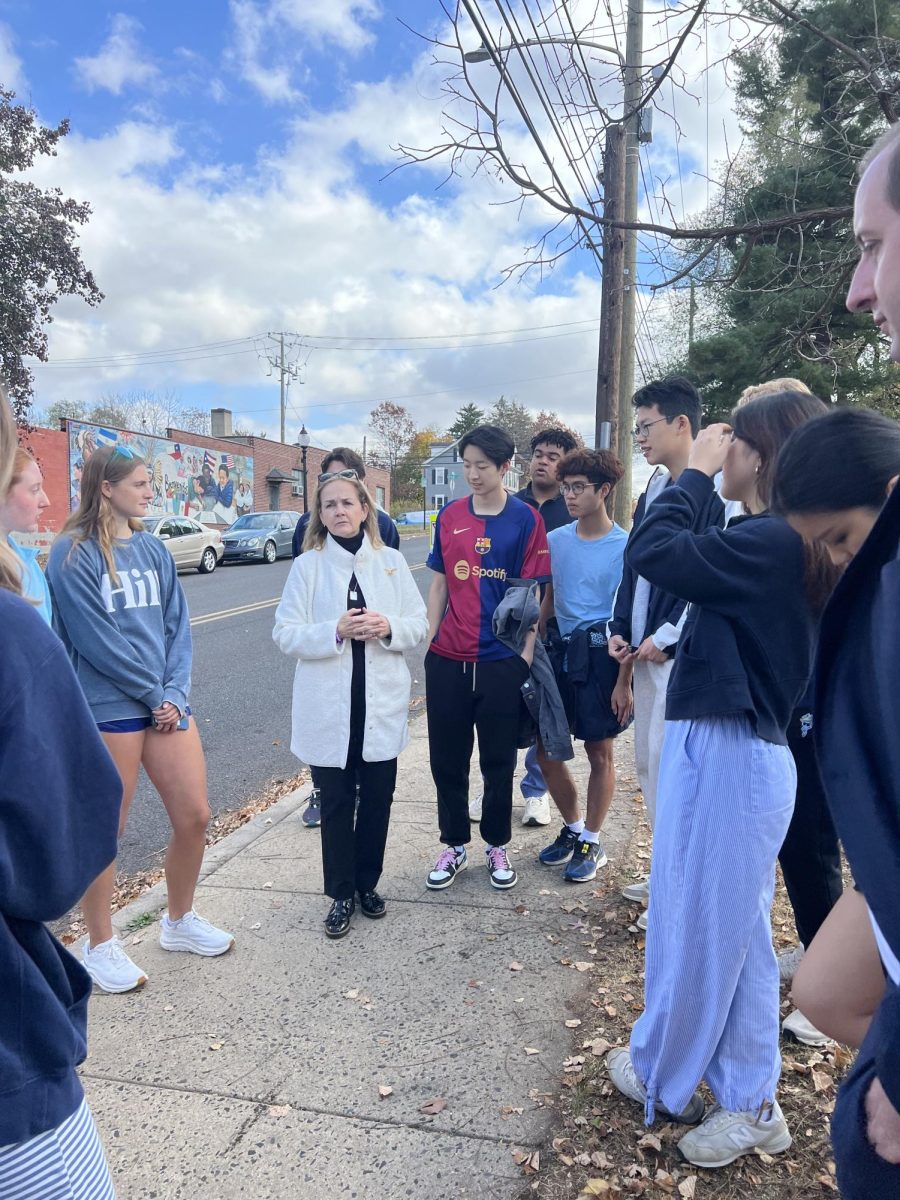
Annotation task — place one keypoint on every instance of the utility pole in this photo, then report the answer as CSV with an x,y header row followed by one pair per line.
x,y
287,369
634,53
609,356
281,379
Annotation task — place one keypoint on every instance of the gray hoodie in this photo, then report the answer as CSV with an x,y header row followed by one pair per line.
x,y
515,615
130,642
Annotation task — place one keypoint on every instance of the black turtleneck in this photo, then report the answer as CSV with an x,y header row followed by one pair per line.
x,y
355,599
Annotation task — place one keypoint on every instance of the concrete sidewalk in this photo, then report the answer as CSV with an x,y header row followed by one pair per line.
x,y
258,1074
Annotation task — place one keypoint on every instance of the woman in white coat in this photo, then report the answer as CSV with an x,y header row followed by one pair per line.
x,y
349,611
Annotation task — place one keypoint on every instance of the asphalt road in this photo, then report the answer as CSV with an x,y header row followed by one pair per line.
x,y
241,693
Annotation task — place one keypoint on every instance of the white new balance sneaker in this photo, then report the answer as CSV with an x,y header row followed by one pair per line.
x,y
641,922
637,892
797,1026
110,967
724,1136
194,935
624,1078
537,810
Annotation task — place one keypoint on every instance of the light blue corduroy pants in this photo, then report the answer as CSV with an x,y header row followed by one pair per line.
x,y
711,989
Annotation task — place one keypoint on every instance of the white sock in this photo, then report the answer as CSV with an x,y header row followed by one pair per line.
x,y
460,849
588,835
575,826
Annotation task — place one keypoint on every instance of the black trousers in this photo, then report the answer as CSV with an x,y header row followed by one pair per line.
x,y
861,1173
462,698
353,840
811,855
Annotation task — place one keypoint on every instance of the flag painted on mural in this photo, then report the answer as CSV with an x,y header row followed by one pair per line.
x,y
228,459
106,437
209,460
176,453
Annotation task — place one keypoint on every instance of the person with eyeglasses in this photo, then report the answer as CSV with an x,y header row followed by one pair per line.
x,y
121,613
340,459
349,611
586,557
647,619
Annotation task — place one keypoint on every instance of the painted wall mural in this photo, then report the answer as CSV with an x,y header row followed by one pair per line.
x,y
192,481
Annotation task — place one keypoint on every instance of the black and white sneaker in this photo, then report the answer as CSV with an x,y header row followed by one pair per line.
x,y
446,869
497,863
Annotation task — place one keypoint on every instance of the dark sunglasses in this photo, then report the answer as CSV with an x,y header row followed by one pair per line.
x,y
347,473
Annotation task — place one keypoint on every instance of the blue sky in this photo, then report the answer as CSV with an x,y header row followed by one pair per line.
x,y
236,158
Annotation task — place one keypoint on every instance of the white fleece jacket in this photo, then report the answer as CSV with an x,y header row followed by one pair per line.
x,y
314,599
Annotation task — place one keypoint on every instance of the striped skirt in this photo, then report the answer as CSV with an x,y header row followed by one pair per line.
x,y
65,1163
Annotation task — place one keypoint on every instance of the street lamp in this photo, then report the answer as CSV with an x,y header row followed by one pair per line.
x,y
303,440
483,54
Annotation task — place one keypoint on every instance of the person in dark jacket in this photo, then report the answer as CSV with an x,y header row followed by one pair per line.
x,y
726,793
646,616
340,459
59,808
857,731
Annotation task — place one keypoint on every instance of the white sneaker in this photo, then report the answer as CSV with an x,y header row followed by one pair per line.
x,y
788,962
475,806
624,1078
110,967
795,1025
724,1136
537,810
194,935
641,922
637,892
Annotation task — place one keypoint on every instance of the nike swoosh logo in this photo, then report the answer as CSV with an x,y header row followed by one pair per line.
x,y
463,530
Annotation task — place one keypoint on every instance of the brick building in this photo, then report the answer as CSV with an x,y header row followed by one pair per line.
x,y
277,468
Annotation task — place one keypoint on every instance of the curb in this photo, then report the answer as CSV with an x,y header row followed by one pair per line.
x,y
153,900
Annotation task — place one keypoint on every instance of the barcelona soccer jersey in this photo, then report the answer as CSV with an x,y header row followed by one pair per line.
x,y
480,555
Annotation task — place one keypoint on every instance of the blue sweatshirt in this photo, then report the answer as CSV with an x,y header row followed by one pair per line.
x,y
34,581
747,642
130,642
857,732
60,796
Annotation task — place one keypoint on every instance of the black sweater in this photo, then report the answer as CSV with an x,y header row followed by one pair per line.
x,y
857,731
747,642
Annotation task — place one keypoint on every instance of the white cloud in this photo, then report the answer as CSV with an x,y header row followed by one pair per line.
x,y
119,62
12,78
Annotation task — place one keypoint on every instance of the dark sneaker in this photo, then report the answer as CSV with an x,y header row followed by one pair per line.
x,y
446,869
337,923
372,905
560,851
586,858
312,814
497,863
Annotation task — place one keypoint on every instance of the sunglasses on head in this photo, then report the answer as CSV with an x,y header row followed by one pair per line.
x,y
124,452
347,473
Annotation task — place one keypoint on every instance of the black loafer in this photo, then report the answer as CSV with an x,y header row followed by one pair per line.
x,y
372,905
337,923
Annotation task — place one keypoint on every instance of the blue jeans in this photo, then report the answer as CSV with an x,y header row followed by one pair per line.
x,y
532,784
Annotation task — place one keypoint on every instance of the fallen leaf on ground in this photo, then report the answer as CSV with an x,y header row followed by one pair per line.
x,y
352,994
664,1180
216,1045
599,1047
279,1110
432,1107
516,966
530,1162
582,966
507,1110
595,1187
268,885
820,1081
651,1142
531,1050
826,1182
573,1023
384,1091
687,1187
610,1010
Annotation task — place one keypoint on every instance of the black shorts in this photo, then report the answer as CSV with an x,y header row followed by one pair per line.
x,y
588,703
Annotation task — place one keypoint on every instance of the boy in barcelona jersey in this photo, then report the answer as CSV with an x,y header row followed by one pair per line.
x,y
482,543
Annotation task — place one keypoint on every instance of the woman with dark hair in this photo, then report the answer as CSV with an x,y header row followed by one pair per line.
x,y
120,610
59,803
349,611
837,485
726,792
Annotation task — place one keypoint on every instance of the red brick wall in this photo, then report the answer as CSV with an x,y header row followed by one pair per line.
x,y
50,447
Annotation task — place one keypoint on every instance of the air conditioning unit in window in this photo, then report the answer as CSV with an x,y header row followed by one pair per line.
x,y
296,489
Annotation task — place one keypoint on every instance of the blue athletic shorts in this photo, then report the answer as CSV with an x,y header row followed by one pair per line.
x,y
130,724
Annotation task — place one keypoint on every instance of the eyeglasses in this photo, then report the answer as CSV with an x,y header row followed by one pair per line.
x,y
347,473
575,489
642,430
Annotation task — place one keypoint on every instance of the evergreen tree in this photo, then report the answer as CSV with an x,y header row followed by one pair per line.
x,y
467,418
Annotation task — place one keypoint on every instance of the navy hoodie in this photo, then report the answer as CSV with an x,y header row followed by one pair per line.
x,y
857,731
60,796
747,642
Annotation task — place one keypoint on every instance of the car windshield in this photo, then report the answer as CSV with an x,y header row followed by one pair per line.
x,y
254,521
150,523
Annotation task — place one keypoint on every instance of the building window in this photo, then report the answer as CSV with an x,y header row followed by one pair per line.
x,y
379,496
438,501
439,475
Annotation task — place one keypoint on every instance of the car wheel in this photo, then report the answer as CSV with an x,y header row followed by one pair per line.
x,y
270,552
208,561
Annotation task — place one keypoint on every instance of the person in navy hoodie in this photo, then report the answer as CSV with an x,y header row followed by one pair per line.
x,y
726,792
59,803
846,497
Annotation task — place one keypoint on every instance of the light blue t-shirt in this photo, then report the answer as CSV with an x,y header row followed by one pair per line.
x,y
34,582
586,575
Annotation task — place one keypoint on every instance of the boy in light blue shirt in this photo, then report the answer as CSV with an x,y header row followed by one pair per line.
x,y
586,560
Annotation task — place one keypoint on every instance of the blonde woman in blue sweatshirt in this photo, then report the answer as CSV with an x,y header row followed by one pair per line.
x,y
120,610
